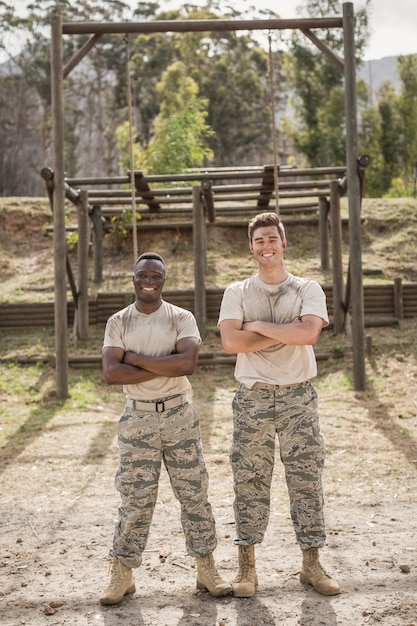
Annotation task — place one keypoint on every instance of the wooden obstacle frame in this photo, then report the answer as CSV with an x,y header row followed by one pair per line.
x,y
220,197
58,193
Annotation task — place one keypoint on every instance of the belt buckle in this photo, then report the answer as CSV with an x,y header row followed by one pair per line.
x,y
158,405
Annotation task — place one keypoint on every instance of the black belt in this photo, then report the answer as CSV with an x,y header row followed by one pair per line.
x,y
158,406
272,387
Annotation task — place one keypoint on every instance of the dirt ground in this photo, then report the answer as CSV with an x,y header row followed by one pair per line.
x,y
58,501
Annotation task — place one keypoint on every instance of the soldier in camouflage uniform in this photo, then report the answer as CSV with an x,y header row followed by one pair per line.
x,y
272,320
149,348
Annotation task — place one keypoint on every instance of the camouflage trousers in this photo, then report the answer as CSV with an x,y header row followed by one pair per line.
x,y
259,416
145,440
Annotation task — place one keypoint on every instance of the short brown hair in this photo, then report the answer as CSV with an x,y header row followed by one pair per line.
x,y
268,218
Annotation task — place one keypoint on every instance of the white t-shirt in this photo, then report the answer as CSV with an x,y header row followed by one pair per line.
x,y
252,299
154,334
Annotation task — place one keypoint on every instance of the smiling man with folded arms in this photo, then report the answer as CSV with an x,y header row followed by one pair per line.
x,y
272,320
149,349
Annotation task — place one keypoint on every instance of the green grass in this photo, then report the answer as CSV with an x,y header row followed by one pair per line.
x,y
29,403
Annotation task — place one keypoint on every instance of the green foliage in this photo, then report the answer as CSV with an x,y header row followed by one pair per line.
x,y
229,70
181,134
319,134
121,224
399,189
72,240
387,134
407,107
179,142
124,147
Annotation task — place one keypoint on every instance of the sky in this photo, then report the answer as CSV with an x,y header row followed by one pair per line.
x,y
393,23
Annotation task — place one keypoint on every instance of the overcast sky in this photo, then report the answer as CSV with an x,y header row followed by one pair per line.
x,y
393,24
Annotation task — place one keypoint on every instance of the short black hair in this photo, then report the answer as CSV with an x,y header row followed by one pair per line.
x,y
153,256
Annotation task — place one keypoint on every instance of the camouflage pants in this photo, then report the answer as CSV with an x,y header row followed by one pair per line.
x,y
260,415
145,440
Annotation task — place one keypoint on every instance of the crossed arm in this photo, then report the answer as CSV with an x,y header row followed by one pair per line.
x,y
238,337
129,368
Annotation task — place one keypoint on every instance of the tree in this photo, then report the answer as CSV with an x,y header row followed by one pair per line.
x,y
388,134
181,133
318,87
230,71
407,107
21,123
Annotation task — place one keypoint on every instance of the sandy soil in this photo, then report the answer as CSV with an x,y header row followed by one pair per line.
x,y
58,502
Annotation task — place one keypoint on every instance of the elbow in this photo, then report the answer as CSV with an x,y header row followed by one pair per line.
x,y
187,371
228,347
314,338
110,376
187,367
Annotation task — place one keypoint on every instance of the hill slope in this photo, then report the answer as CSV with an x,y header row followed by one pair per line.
x,y
26,250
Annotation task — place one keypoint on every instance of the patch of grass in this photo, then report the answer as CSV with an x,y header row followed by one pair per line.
x,y
32,404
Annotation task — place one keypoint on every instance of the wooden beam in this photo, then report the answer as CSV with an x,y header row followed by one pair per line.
x,y
199,243
60,244
332,57
82,52
193,26
354,201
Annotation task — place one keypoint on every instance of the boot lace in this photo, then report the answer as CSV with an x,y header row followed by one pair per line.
x,y
211,572
117,574
317,570
246,570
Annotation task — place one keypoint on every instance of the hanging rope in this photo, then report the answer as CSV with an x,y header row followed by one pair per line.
x,y
274,130
131,158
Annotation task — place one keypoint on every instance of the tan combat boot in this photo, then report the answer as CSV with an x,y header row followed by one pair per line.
x,y
121,583
313,573
209,578
246,581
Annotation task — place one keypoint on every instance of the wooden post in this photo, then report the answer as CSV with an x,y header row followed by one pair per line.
x,y
97,243
60,245
199,242
209,200
336,230
398,299
82,250
358,309
324,232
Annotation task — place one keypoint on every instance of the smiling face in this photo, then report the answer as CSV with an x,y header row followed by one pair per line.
x,y
267,247
148,280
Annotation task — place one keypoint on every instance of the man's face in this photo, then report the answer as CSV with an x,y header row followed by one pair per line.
x,y
148,280
267,246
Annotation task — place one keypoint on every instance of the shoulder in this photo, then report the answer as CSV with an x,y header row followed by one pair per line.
x,y
175,311
123,313
306,284
238,285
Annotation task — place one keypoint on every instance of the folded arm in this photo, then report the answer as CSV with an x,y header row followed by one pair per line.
x,y
238,337
129,368
302,331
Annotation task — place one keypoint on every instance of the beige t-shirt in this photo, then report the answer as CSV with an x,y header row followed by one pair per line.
x,y
252,299
155,334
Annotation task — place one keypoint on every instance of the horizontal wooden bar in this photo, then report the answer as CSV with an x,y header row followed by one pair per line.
x,y
378,302
186,26
218,174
